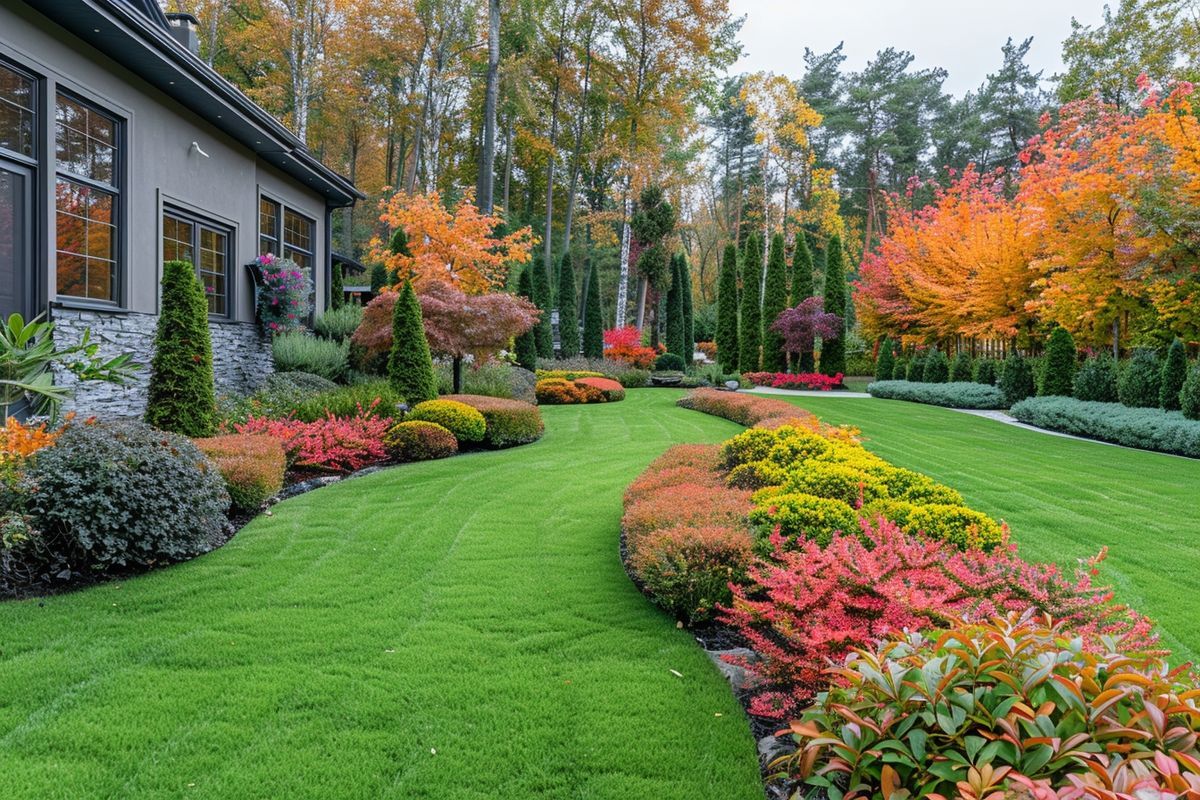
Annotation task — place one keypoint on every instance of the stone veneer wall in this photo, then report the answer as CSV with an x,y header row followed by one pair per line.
x,y
241,358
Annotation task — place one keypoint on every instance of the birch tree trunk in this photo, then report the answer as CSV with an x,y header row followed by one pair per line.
x,y
486,182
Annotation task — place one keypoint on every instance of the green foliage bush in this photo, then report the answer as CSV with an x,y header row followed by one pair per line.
x,y
1189,395
1174,373
376,398
668,362
410,367
525,346
1016,379
961,369
805,516
915,369
181,396
509,422
860,364
726,332
775,300
121,495
900,372
750,315
985,371
885,365
1096,380
298,351
339,323
1140,380
568,320
1059,373
833,351
1145,428
417,440
950,395
937,368
493,379
687,569
467,424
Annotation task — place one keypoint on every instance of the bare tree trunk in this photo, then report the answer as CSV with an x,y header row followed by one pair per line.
x,y
623,281
348,211
559,55
486,182
508,163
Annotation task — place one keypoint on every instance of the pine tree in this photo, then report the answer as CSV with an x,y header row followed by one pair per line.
x,y
542,298
775,301
750,320
1058,376
802,289
568,319
337,291
593,321
181,394
1174,374
526,343
689,321
410,367
885,364
727,310
379,278
675,325
833,351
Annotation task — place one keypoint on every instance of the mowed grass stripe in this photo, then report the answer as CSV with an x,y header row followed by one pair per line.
x,y
1064,499
475,607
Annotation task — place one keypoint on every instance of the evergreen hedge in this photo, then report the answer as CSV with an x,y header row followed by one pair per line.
x,y
410,367
1144,428
833,351
1189,395
727,310
1174,373
961,369
1058,376
775,300
1140,380
1016,378
985,371
962,394
915,369
1096,380
568,319
593,321
181,394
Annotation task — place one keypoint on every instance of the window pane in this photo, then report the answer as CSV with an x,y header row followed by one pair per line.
x,y
85,141
214,261
177,240
86,241
297,231
268,227
16,112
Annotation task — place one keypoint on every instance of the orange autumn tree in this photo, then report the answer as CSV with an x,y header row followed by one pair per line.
x,y
459,247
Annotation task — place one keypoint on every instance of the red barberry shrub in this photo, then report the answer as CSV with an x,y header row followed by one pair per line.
x,y
687,569
808,604
652,480
701,456
625,345
788,380
336,444
252,465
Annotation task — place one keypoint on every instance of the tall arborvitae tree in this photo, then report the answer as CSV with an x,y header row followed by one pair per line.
x,y
593,321
526,343
689,322
833,351
727,310
1174,373
181,395
410,367
775,300
1058,375
750,322
885,362
568,318
802,289
675,325
337,291
379,278
543,299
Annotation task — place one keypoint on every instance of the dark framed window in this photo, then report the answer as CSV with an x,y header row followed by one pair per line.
x,y
299,234
18,116
18,178
268,226
87,200
207,246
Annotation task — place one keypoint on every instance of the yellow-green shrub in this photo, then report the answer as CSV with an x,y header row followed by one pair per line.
x,y
805,515
959,525
835,481
753,444
466,423
756,475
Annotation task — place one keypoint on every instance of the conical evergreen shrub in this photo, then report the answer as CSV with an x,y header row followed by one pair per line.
x,y
985,371
885,362
1058,377
937,368
689,321
593,321
1174,374
674,304
379,278
833,351
1096,380
961,368
337,290
750,320
568,318
410,367
181,395
775,301
802,289
727,311
1016,379
1189,395
543,332
900,371
526,343
916,368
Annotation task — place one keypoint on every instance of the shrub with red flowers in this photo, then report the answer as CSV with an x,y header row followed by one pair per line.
x,y
625,345
285,296
335,444
562,392
786,380
613,391
808,604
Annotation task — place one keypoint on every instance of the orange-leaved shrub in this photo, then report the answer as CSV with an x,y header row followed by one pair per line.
x,y
252,465
508,422
704,456
19,441
613,390
688,568
417,440
744,409
684,504
652,480
559,391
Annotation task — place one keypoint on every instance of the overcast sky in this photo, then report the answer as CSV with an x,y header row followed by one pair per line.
x,y
963,36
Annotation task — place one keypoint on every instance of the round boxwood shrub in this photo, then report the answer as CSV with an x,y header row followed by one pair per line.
x,y
1140,380
467,424
417,440
1189,395
985,371
1096,380
669,362
121,495
937,368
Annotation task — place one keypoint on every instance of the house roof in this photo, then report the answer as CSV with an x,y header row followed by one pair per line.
x,y
136,34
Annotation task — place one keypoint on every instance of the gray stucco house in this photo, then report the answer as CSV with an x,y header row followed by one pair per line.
x,y
119,149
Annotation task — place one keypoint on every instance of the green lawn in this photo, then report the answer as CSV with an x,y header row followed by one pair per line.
x,y
456,629
1064,499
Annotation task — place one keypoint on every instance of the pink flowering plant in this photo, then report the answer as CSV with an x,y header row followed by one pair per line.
x,y
789,380
332,444
284,298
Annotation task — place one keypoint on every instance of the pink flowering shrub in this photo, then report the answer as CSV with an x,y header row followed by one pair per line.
x,y
810,604
336,444
284,299
787,380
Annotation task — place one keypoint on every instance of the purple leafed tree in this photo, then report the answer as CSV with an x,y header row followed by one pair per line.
x,y
800,326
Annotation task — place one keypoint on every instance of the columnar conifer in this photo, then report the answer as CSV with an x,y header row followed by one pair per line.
x,y
410,367
593,321
775,300
727,310
833,351
750,321
526,343
1059,374
181,395
568,318
802,289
